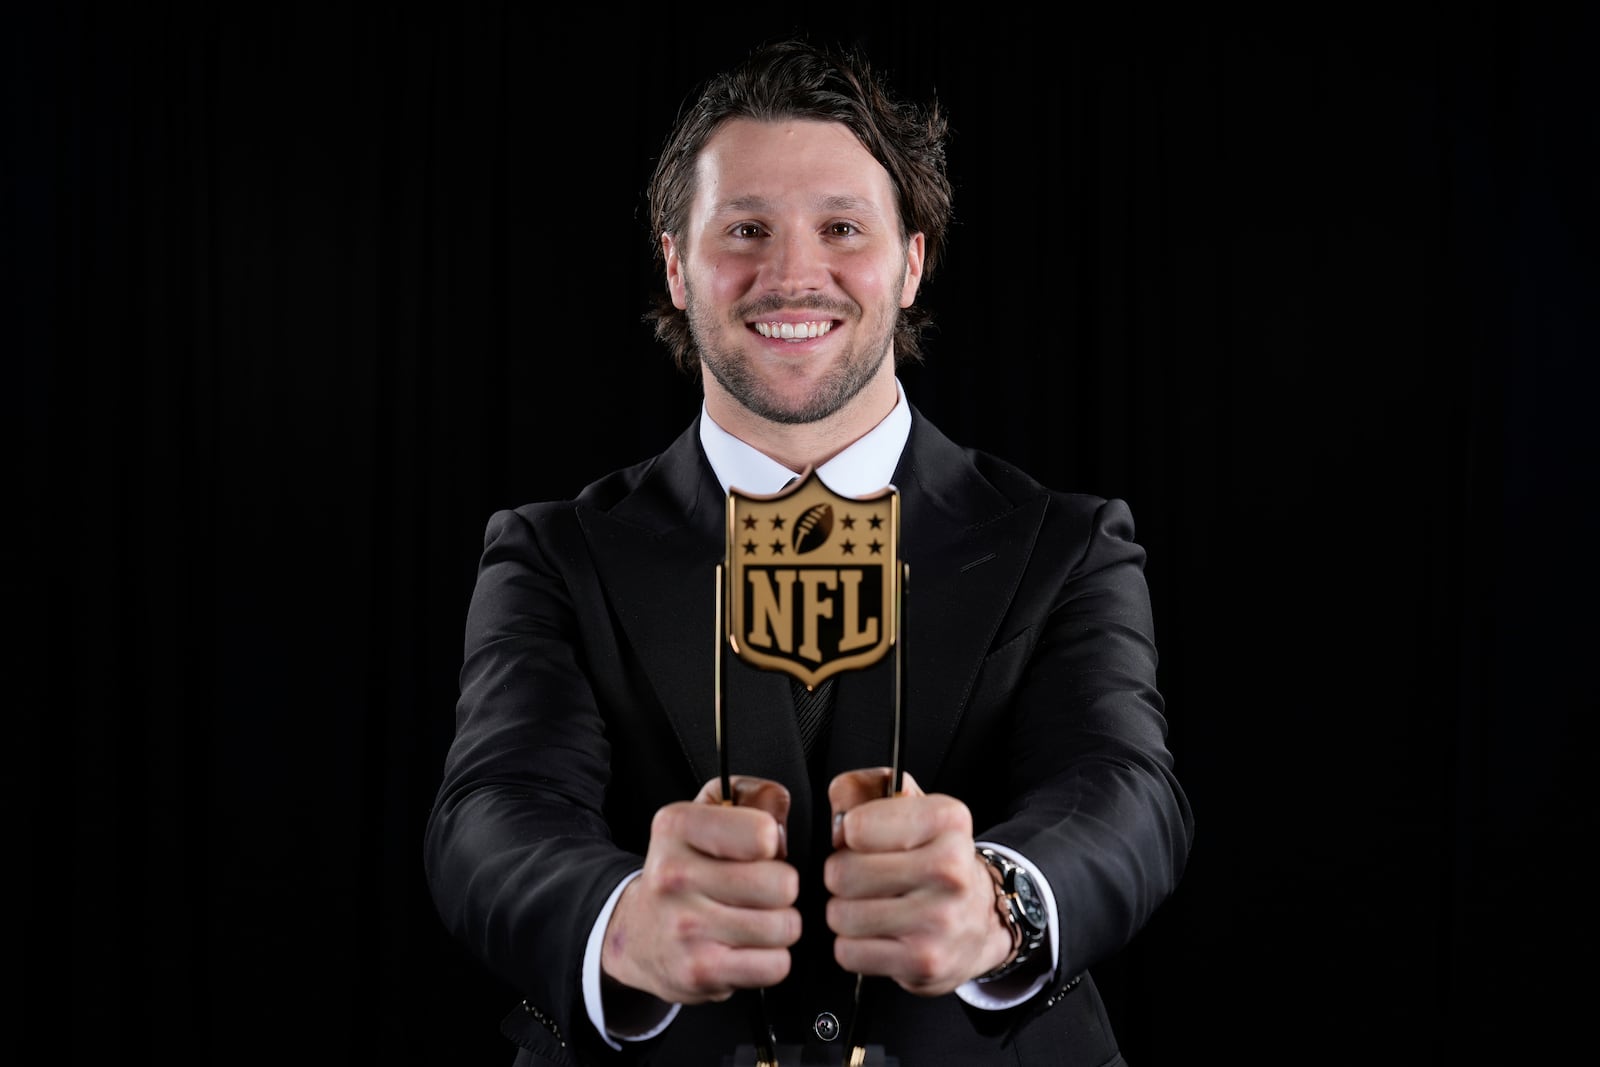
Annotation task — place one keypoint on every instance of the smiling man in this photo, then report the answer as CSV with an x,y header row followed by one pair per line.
x,y
579,845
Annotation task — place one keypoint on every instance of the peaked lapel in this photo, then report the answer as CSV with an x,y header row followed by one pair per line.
x,y
656,551
966,547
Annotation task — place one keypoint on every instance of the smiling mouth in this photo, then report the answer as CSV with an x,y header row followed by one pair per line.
x,y
793,331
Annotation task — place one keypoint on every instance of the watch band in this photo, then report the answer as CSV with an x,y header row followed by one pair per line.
x,y
1026,935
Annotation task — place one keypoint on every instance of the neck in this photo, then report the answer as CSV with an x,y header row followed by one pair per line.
x,y
801,445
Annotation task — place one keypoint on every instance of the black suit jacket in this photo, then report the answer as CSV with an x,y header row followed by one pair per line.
x,y
586,704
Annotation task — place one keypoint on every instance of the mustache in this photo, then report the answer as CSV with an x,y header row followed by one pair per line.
x,y
773,303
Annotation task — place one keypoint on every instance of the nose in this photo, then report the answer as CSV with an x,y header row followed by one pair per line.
x,y
796,262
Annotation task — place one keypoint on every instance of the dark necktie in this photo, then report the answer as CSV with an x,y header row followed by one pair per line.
x,y
812,710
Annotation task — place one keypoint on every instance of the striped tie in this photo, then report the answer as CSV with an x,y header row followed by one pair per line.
x,y
812,709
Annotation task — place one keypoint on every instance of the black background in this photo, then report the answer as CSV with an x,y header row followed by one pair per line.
x,y
297,294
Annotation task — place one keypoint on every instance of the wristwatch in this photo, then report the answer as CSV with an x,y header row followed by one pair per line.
x,y
1021,907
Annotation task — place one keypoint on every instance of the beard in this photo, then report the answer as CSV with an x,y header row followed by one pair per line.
x,y
734,370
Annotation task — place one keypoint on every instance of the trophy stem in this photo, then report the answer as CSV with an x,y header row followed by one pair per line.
x,y
902,580
718,676
765,1040
857,1054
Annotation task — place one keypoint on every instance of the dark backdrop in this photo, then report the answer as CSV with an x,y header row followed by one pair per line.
x,y
297,294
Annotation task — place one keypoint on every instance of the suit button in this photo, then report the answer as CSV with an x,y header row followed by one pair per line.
x,y
826,1026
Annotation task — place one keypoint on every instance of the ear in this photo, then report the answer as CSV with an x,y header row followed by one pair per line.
x,y
908,288
675,282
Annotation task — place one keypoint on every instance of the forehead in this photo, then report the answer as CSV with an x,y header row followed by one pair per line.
x,y
797,164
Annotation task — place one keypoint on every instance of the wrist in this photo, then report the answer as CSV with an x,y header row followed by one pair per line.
x,y
1020,910
1003,941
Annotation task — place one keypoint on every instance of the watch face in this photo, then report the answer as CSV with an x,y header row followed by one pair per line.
x,y
1028,899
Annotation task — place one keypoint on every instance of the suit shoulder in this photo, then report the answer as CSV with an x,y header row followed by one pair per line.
x,y
602,494
1016,484
1070,518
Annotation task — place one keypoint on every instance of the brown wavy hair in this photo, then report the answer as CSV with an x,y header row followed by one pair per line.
x,y
797,79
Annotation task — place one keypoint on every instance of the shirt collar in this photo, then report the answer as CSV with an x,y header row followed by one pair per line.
x,y
866,466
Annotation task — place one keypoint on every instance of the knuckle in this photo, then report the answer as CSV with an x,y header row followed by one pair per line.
x,y
788,885
924,963
946,877
701,972
672,876
939,921
766,837
833,873
686,926
778,970
952,813
793,928
667,823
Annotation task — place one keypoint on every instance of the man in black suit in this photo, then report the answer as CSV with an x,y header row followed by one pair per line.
x,y
577,845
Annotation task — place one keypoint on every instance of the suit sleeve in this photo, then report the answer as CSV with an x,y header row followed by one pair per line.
x,y
1092,798
518,855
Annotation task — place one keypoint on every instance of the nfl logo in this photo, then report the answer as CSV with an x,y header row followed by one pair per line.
x,y
811,578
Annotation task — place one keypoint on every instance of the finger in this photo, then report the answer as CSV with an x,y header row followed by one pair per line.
x,y
851,789
921,968
920,963
767,884
712,972
877,917
760,794
864,955
748,791
740,927
901,823
946,865
864,875
744,968
729,833
892,957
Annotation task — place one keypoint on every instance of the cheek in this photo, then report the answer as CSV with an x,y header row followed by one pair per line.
x,y
874,282
725,281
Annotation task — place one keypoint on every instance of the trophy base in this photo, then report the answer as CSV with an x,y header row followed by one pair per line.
x,y
791,1056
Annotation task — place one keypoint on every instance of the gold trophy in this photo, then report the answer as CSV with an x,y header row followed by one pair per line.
x,y
811,585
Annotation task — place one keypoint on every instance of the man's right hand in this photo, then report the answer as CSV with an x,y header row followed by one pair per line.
x,y
713,910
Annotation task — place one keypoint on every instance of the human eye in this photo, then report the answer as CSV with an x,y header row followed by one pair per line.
x,y
745,230
841,228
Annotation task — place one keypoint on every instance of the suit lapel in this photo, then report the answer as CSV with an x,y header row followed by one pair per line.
x,y
966,547
656,552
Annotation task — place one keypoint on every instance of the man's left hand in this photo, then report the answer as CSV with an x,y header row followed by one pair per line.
x,y
911,899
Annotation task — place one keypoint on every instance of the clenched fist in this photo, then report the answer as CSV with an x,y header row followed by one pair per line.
x,y
713,910
911,899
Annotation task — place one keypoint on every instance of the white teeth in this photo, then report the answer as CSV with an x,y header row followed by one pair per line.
x,y
793,330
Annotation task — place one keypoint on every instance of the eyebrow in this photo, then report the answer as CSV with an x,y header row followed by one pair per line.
x,y
836,202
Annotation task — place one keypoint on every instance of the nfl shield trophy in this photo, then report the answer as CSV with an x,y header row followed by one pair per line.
x,y
811,585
